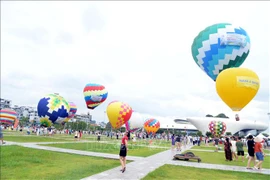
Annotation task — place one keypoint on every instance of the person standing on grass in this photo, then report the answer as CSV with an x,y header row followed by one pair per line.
x,y
258,149
98,136
227,149
123,151
177,140
240,150
216,140
76,135
250,146
2,136
173,142
233,148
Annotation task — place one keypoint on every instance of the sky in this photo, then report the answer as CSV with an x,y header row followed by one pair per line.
x,y
140,51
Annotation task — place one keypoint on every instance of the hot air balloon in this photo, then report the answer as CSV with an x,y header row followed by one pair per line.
x,y
151,126
16,123
118,113
135,122
94,95
72,112
8,116
217,128
237,87
219,47
53,108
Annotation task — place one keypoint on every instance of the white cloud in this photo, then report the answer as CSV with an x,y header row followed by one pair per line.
x,y
141,52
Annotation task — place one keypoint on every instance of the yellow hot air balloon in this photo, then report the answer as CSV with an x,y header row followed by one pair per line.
x,y
118,113
237,87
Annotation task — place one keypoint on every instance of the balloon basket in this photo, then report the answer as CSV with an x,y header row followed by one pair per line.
x,y
237,118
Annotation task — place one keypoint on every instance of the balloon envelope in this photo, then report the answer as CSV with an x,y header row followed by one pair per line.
x,y
217,128
118,113
8,116
53,108
135,122
94,95
237,87
151,125
72,112
219,47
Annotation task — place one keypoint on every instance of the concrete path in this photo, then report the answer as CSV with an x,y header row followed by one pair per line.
x,y
138,169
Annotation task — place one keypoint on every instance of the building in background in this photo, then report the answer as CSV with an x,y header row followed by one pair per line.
x,y
5,103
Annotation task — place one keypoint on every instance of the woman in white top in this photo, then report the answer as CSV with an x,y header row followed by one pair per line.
x,y
233,148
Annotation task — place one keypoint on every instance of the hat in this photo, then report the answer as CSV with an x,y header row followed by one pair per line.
x,y
258,139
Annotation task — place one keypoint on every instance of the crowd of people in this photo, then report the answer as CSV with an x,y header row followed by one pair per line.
x,y
234,148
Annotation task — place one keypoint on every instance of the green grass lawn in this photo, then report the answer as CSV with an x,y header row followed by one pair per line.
x,y
26,163
211,147
32,138
180,172
133,150
219,158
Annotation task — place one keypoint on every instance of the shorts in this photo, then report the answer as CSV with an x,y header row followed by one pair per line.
x,y
259,156
251,153
240,153
1,135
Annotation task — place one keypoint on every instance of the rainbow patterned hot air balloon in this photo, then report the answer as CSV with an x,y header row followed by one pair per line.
x,y
8,116
94,95
53,108
118,113
151,126
217,128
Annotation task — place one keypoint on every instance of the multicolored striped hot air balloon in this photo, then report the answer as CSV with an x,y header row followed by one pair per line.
x,y
151,126
94,95
219,47
53,108
8,116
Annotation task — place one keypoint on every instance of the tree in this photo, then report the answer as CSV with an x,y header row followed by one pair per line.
x,y
209,115
45,122
59,126
199,133
108,126
221,115
24,121
228,133
208,134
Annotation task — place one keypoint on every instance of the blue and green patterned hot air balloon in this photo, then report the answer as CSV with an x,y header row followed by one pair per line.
x,y
219,47
53,108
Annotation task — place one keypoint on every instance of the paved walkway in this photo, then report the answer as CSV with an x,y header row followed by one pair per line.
x,y
137,169
140,166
